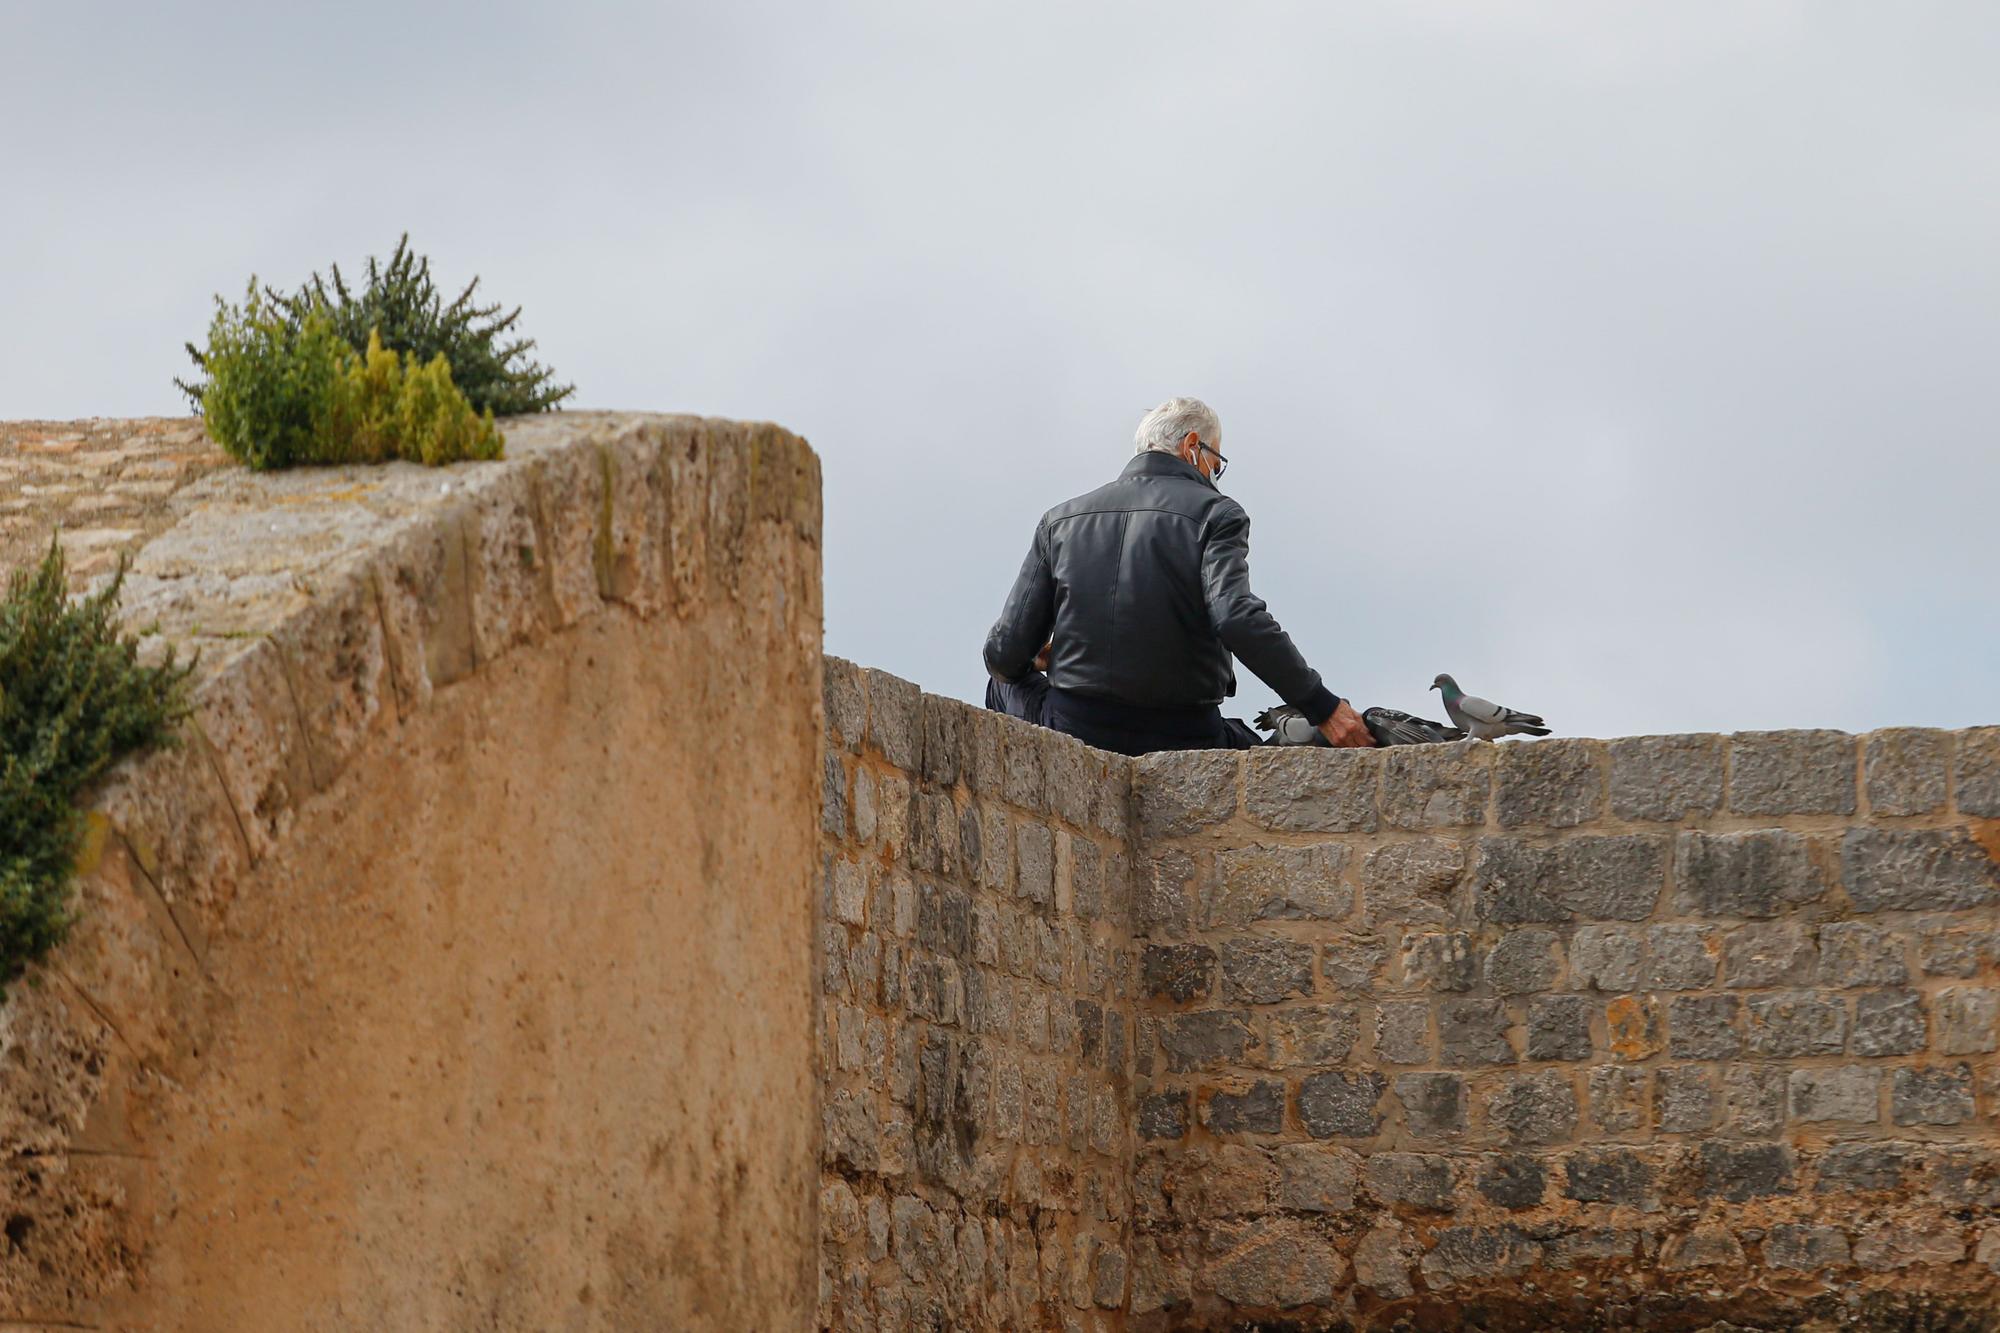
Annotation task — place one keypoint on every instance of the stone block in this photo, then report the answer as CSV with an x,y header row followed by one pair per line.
x,y
1939,1095
1616,1176
1743,874
1107,1285
1791,773
1917,870
1177,972
1604,958
1968,1020
1265,971
1035,863
1703,1027
1433,1105
1512,883
1857,953
1807,1249
1183,792
895,719
1512,1180
1440,961
1739,1172
1411,882
507,565
1023,766
1306,789
1558,1028
1403,1032
1889,1022
1162,904
1683,957
1753,1099
1617,1098
1683,1099
1708,1246
1787,1024
1436,786
1551,784
1954,952
1257,1109
845,702
1523,960
1904,770
1634,1027
1473,1032
1276,884
1894,1245
1160,1280
1846,1167
1534,1108
1848,1093
1476,1255
1964,1176
1205,1040
1666,778
1382,1260
1978,778
1590,878
1312,1035
1315,1179
1353,962
943,723
1338,1104
1071,775
1280,1265
1770,953
1163,1115
1418,1179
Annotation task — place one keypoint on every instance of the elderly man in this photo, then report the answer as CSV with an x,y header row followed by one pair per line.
x,y
1140,591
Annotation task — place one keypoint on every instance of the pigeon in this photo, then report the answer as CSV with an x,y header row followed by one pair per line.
x,y
1483,718
1289,727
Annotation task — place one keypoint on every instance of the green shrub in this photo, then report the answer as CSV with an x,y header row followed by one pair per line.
x,y
73,700
284,391
402,305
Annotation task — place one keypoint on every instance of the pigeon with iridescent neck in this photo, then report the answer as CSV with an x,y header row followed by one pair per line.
x,y
1483,718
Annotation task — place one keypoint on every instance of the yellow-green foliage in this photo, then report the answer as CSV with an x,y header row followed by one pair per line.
x,y
282,392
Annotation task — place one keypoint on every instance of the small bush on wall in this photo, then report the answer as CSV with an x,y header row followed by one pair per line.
x,y
74,698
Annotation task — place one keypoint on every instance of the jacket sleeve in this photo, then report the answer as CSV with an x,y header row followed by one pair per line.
x,y
1025,620
1246,626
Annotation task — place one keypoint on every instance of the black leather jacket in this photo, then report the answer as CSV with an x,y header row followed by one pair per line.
x,y
1145,585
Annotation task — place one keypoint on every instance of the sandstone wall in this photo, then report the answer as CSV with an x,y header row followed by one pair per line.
x,y
1570,1033
976,1033
458,970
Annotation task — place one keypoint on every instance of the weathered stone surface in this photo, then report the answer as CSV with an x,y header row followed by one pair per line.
x,y
1312,790
1473,1032
1889,1022
1605,958
1904,771
1683,1099
1794,1023
1312,1035
1552,784
1590,878
1634,1027
1382,1262
1417,1179
1939,1095
1773,953
1850,1093
1887,870
1703,1027
1441,961
1512,1180
1316,1179
1861,1166
1534,1108
1276,884
1968,1020
1183,792
1607,1175
1892,1246
1666,778
1807,1248
1743,874
1617,1098
1433,1105
1683,957
1259,1109
1204,1040
1163,1115
1558,1028
1162,903
1412,881
1857,953
1738,1172
1435,786
1791,773
1280,1265
895,718
1962,953
1265,971
1341,1104
1708,1246
1753,1099
1479,1254
1978,776
1402,1032
1522,961
1177,972
1353,962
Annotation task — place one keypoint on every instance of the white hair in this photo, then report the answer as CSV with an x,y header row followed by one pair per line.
x,y
1163,428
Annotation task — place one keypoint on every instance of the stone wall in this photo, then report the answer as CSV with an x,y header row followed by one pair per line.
x,y
456,971
977,1018
1570,1033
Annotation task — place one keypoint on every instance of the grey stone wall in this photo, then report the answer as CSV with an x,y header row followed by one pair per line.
x,y
976,1024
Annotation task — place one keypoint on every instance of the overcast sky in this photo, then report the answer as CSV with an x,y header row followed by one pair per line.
x,y
1635,363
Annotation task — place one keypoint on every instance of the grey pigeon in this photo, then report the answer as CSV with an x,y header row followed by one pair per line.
x,y
1483,718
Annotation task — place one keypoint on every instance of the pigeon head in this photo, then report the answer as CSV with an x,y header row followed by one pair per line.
x,y
1443,682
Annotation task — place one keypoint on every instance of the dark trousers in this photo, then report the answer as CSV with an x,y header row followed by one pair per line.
x,y
1119,728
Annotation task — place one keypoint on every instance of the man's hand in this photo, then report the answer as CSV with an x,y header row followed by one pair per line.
x,y
1345,727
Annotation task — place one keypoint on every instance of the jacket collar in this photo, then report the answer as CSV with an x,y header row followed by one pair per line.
x,y
1153,463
